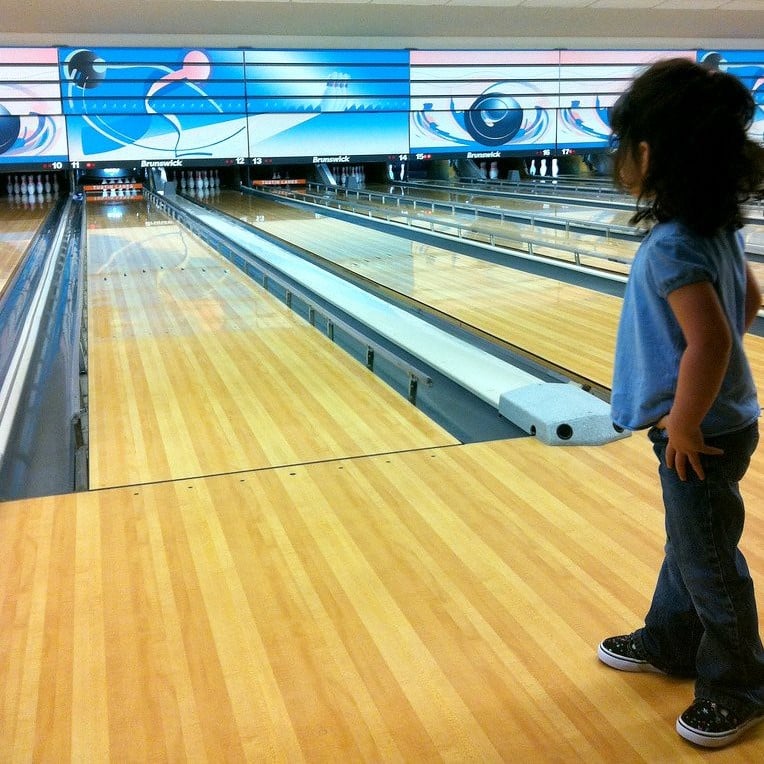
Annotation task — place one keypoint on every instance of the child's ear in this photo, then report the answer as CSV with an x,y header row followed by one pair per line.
x,y
643,157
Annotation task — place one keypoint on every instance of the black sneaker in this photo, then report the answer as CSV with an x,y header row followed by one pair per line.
x,y
625,653
708,724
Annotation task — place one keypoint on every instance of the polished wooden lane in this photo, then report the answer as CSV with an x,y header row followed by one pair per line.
x,y
437,605
195,370
590,250
19,220
566,327
611,255
596,250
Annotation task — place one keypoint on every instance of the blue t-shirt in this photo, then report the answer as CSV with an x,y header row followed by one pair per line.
x,y
650,341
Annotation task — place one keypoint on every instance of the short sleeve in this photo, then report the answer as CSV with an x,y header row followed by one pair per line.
x,y
676,261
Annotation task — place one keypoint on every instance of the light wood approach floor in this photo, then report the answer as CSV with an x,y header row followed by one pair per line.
x,y
569,328
195,370
19,221
435,605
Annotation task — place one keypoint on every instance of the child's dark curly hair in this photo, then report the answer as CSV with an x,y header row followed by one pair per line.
x,y
702,163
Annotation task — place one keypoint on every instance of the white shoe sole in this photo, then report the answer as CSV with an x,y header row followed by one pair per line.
x,y
622,663
714,739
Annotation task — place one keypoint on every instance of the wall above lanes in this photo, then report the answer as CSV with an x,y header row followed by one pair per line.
x,y
386,23
176,107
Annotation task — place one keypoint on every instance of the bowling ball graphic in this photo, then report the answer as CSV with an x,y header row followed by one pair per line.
x,y
10,126
86,69
494,119
712,61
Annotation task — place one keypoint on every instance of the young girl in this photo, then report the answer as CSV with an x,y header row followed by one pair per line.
x,y
681,371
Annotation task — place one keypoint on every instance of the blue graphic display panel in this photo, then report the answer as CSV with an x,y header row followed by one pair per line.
x,y
127,104
32,130
324,104
486,103
748,66
202,106
590,83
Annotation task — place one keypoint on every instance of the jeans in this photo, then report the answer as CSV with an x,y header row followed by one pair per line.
x,y
702,621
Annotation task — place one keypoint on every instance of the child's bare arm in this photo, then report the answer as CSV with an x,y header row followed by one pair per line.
x,y
701,371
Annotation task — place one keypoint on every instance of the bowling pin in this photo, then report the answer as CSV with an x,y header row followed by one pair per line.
x,y
494,172
555,168
533,167
39,186
23,185
48,187
542,169
9,187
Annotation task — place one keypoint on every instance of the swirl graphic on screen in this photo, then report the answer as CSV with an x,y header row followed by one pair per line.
x,y
31,134
148,106
594,123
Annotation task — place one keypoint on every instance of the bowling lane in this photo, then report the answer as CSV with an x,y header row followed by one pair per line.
x,y
20,218
552,209
525,311
592,250
569,328
753,233
194,370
